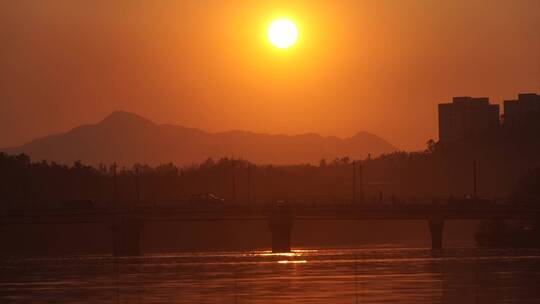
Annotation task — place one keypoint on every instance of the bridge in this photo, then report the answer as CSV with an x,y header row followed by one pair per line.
x,y
126,223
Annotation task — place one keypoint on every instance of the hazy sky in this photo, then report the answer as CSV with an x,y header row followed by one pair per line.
x,y
380,65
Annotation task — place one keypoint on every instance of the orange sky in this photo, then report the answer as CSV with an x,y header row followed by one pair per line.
x,y
379,65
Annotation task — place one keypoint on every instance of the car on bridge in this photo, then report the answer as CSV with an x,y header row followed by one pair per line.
x,y
206,200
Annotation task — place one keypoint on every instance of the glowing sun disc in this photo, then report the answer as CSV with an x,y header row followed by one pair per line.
x,y
282,33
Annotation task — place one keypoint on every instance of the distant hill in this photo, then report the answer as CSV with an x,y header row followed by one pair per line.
x,y
129,138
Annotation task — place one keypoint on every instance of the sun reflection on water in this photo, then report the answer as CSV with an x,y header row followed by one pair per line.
x,y
293,253
285,254
292,262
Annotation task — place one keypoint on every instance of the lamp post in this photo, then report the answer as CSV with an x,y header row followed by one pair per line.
x,y
354,181
361,177
249,184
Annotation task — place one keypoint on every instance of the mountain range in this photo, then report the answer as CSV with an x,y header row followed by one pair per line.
x,y
127,138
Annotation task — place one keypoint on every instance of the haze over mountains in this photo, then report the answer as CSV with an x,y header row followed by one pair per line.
x,y
128,138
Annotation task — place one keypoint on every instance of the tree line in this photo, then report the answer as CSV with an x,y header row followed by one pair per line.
x,y
503,156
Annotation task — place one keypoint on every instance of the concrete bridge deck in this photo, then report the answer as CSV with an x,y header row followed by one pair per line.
x,y
127,223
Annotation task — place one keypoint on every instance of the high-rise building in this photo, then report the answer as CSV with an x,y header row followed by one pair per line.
x,y
522,110
465,117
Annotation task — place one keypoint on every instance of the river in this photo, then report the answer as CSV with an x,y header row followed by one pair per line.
x,y
366,275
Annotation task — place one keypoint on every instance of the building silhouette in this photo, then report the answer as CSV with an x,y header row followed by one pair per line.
x,y
465,117
523,110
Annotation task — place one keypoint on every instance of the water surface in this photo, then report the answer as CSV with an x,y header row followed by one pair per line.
x,y
304,276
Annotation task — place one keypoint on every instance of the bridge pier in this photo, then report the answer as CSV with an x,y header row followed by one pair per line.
x,y
127,236
436,226
281,229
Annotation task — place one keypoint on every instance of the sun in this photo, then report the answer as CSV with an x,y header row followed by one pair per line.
x,y
282,33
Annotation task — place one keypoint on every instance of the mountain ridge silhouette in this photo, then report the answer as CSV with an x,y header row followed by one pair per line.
x,y
128,138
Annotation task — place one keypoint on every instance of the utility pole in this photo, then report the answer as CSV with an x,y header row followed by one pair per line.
x,y
233,181
137,186
97,176
180,184
249,184
474,179
354,181
115,198
361,177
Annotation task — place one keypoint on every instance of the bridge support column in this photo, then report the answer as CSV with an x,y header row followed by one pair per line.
x,y
436,226
127,236
281,228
